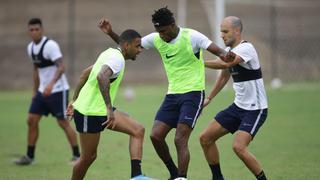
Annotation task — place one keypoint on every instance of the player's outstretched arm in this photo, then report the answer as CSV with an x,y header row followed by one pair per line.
x,y
229,57
105,26
216,50
223,78
216,64
220,64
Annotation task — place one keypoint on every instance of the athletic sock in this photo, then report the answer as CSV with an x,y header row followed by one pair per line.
x,y
215,170
30,151
172,168
261,176
135,167
75,151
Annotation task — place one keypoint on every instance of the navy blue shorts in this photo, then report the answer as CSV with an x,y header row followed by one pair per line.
x,y
234,118
181,108
89,124
55,104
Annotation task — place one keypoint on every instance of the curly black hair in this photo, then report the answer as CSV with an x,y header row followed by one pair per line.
x,y
162,17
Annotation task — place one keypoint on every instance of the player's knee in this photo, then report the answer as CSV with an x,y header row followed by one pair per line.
x,y
139,131
204,139
155,137
32,123
181,141
64,124
88,159
239,149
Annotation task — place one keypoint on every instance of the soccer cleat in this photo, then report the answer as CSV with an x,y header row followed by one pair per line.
x,y
180,178
24,160
142,177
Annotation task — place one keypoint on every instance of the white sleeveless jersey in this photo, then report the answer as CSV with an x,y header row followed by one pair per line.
x,y
249,95
51,51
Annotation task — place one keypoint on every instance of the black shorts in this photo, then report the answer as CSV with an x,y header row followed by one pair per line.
x,y
234,118
89,124
181,108
55,104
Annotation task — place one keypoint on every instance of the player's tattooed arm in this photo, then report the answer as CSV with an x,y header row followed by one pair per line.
x,y
56,76
103,78
59,71
104,86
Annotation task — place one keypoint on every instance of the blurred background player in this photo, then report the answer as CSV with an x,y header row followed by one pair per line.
x,y
181,53
93,106
50,90
249,110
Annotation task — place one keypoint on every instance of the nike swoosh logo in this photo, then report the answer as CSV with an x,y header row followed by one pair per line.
x,y
169,56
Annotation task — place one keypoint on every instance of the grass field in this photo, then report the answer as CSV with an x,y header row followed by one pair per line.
x,y
288,144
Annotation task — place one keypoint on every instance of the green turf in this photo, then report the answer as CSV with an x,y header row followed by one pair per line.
x,y
287,146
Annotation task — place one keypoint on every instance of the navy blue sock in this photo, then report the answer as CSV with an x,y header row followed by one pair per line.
x,y
172,168
30,151
75,151
261,176
215,170
135,167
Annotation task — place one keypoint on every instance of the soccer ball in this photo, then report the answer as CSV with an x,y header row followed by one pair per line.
x,y
276,83
129,94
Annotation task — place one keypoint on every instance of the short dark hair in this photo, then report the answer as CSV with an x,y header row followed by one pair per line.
x,y
34,21
128,36
162,17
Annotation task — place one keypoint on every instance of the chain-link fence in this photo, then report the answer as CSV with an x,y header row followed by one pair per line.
x,y
284,32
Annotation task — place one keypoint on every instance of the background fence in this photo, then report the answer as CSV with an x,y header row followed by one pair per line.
x,y
285,33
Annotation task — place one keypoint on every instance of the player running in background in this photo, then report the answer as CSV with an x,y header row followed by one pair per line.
x,y
249,110
50,92
181,53
94,106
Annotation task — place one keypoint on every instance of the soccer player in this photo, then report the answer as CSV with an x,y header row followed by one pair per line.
x,y
50,90
94,106
181,53
249,110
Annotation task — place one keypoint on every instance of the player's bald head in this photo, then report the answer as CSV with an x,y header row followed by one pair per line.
x,y
234,21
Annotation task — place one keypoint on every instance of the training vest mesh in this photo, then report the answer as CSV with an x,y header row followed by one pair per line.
x,y
90,101
185,72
